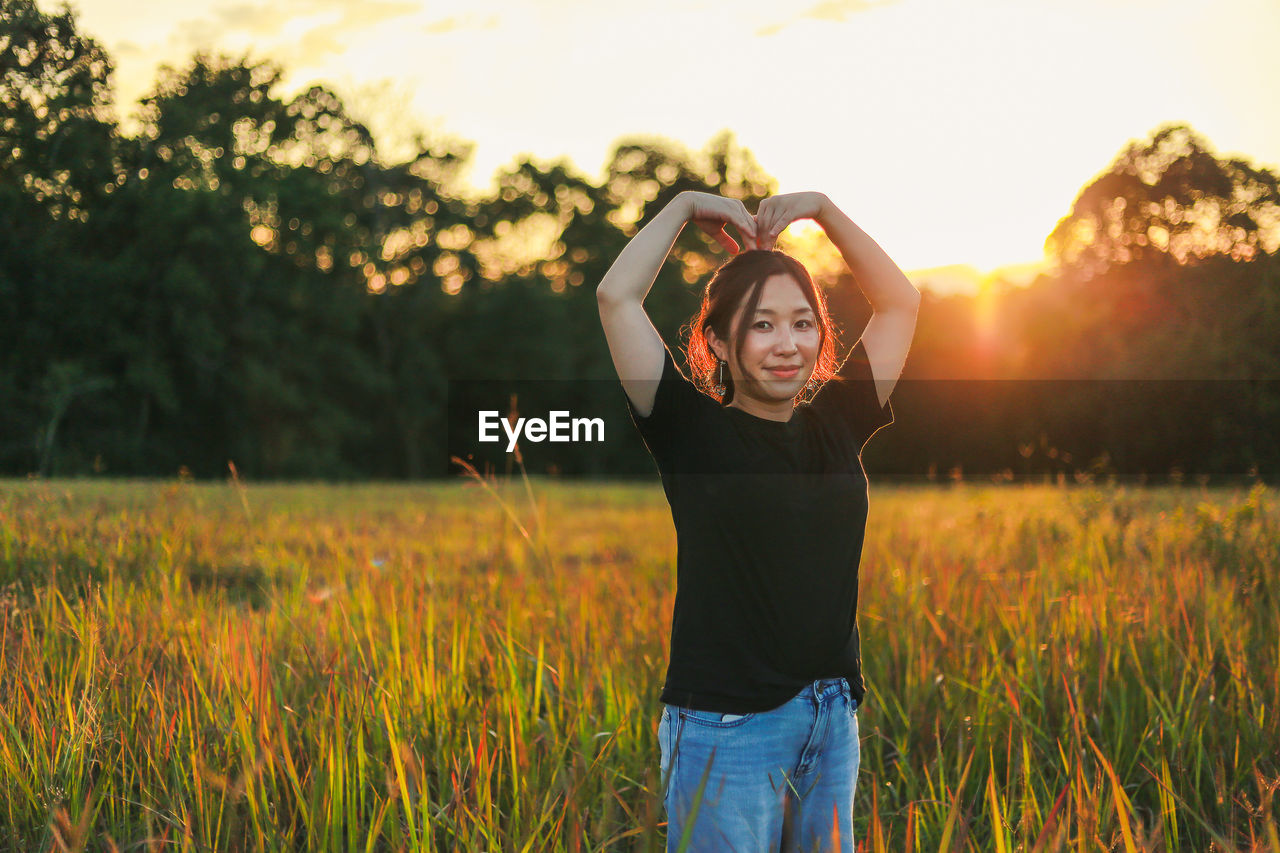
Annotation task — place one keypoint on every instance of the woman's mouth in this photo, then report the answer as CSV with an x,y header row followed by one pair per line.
x,y
784,374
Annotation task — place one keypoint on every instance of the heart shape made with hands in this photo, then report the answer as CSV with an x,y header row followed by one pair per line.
x,y
761,229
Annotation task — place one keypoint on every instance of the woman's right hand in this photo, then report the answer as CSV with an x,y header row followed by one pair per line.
x,y
712,212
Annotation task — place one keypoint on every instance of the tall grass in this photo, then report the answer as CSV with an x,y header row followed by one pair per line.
x,y
476,666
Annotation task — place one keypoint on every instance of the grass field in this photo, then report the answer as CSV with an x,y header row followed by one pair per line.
x,y
476,666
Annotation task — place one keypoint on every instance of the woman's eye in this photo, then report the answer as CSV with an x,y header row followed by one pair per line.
x,y
762,323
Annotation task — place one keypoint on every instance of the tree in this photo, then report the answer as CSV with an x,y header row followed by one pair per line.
x,y
56,167
244,278
55,101
1170,199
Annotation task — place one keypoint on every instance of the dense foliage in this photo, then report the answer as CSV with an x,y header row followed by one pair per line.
x,y
247,280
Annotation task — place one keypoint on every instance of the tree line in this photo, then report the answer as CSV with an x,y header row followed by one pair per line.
x,y
247,279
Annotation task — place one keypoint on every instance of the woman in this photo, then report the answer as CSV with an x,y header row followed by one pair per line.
x,y
759,729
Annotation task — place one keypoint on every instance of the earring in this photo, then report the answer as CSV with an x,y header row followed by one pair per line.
x,y
719,388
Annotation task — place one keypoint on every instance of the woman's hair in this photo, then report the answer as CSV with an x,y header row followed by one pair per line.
x,y
739,279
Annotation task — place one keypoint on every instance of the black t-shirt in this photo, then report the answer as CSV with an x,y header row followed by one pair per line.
x,y
769,520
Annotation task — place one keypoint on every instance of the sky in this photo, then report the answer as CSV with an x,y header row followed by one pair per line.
x,y
955,132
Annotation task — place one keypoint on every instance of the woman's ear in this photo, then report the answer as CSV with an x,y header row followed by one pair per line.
x,y
717,346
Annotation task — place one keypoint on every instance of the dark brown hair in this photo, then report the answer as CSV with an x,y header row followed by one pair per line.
x,y
739,279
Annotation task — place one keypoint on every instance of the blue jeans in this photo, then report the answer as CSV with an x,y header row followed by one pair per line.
x,y
780,780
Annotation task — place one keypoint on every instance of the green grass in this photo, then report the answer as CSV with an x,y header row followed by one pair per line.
x,y
476,666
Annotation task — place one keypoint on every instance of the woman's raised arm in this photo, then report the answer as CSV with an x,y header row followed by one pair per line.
x,y
633,273
634,344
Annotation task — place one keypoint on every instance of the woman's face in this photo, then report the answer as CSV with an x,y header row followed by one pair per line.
x,y
783,333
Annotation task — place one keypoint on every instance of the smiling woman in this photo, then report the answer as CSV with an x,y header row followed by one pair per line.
x,y
769,500
788,347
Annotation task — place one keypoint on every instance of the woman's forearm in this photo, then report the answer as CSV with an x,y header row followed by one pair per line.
x,y
635,270
882,282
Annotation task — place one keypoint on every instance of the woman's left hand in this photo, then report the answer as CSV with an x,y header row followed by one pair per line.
x,y
777,212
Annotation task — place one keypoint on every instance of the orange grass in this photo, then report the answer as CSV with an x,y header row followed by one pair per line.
x,y
476,666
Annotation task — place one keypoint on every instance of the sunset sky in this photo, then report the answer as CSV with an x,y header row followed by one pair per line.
x,y
955,132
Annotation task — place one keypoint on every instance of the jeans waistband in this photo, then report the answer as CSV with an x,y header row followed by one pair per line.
x,y
824,687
